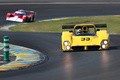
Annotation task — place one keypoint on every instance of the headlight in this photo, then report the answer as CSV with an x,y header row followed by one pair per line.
x,y
65,43
103,46
68,47
105,42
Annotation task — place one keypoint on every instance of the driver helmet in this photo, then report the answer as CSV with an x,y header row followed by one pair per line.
x,y
85,29
19,12
79,31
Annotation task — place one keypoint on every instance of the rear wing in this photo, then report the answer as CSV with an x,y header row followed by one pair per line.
x,y
81,25
28,11
100,25
68,26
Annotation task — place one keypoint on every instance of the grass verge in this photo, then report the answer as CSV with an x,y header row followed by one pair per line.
x,y
113,23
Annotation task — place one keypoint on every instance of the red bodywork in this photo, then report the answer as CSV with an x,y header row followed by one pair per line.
x,y
20,18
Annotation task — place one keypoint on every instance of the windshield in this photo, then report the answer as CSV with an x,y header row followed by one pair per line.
x,y
85,34
19,13
85,31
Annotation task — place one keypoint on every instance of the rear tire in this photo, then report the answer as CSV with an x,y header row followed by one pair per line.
x,y
33,19
29,19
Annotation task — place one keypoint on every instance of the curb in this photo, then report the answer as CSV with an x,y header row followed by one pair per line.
x,y
25,57
6,27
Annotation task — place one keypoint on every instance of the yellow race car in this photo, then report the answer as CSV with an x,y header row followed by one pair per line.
x,y
84,37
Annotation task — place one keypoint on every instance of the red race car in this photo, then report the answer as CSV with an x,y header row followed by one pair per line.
x,y
21,16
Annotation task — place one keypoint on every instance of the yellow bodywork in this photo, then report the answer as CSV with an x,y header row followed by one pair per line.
x,y
84,41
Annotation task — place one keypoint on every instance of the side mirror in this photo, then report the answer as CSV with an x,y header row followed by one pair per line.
x,y
98,30
70,31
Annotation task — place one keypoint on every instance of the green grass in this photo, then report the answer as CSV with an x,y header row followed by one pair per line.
x,y
113,23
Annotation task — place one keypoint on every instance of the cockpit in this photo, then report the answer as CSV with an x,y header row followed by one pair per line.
x,y
84,31
19,13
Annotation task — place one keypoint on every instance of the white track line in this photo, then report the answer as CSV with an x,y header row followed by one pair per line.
x,y
114,34
63,3
1,55
1,61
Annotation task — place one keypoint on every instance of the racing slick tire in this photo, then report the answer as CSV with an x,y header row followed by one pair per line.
x,y
32,19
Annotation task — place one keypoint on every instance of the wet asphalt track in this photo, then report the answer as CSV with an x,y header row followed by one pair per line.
x,y
82,65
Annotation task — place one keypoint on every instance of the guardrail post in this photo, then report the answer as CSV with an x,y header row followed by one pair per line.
x,y
6,48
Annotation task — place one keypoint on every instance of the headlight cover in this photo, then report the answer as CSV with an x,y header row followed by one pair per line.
x,y
104,44
67,45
